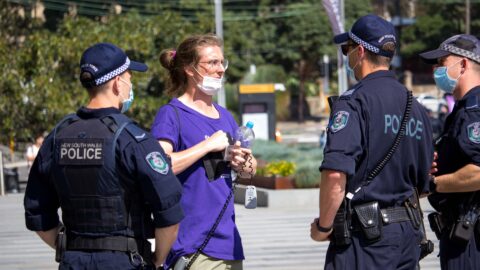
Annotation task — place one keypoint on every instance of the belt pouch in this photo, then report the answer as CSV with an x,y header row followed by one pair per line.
x,y
341,228
370,220
462,231
60,244
436,223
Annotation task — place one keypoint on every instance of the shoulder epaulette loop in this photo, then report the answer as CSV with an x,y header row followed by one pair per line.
x,y
471,103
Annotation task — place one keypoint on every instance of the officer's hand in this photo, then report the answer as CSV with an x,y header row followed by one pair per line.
x,y
434,168
218,141
317,235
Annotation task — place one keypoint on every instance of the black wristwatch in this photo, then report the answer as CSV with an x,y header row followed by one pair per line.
x,y
323,229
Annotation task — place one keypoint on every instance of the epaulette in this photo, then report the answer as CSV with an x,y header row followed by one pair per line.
x,y
347,94
471,103
136,132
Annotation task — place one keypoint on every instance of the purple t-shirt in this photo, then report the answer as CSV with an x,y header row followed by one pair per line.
x,y
202,200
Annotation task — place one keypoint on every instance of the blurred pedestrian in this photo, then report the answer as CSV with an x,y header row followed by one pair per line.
x,y
33,149
435,122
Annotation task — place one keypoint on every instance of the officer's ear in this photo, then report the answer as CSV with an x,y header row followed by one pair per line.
x,y
465,64
361,52
116,85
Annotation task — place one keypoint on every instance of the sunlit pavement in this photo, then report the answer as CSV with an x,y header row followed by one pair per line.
x,y
273,239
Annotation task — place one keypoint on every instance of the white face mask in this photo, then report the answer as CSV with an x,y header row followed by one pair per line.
x,y
209,85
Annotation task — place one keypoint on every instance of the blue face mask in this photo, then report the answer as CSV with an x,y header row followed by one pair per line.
x,y
443,81
127,103
351,71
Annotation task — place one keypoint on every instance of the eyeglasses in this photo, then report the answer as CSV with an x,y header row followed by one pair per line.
x,y
345,47
216,63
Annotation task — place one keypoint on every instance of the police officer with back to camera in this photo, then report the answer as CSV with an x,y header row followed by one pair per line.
x,y
378,153
107,175
457,181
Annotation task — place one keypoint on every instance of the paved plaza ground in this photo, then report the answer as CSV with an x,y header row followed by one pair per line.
x,y
274,239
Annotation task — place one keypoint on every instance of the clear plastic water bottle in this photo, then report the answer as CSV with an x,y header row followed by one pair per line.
x,y
245,135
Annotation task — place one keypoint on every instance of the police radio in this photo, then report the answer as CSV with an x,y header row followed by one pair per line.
x,y
463,228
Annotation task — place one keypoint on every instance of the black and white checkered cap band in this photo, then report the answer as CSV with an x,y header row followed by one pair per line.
x,y
450,48
366,45
105,78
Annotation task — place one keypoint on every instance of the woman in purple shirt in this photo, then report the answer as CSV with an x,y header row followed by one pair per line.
x,y
191,128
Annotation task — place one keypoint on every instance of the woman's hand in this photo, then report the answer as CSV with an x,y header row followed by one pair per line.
x,y
242,161
217,142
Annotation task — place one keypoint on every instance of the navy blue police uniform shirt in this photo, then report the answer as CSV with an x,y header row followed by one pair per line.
x,y
460,142
161,191
458,146
363,125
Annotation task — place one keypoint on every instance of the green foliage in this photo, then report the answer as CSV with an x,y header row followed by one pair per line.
x,y
305,158
431,28
40,76
280,168
266,74
285,39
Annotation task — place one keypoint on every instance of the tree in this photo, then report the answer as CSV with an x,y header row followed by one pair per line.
x,y
432,28
304,35
40,80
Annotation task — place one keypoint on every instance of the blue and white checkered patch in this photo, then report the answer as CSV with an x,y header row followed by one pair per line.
x,y
105,78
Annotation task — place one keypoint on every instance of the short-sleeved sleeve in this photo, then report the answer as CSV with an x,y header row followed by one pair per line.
x,y
344,138
469,136
41,200
146,161
165,126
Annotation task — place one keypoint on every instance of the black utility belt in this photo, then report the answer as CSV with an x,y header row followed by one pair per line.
x,y
459,229
365,216
136,248
113,243
388,215
369,219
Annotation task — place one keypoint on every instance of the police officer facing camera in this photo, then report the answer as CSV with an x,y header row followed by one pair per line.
x,y
377,222
457,71
107,175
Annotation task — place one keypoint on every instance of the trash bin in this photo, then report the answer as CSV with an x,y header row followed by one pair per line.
x,y
257,104
10,177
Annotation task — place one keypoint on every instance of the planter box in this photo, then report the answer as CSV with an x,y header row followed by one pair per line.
x,y
269,182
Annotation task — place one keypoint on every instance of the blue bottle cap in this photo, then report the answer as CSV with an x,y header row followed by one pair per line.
x,y
249,124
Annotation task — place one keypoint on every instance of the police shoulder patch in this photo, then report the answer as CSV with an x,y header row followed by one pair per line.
x,y
157,162
473,131
339,121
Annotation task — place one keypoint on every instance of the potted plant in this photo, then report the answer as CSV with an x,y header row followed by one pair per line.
x,y
273,175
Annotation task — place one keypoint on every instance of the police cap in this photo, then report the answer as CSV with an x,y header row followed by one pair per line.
x,y
104,61
372,32
463,45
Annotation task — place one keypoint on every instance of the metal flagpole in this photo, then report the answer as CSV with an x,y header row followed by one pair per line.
x,y
342,71
219,33
2,183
